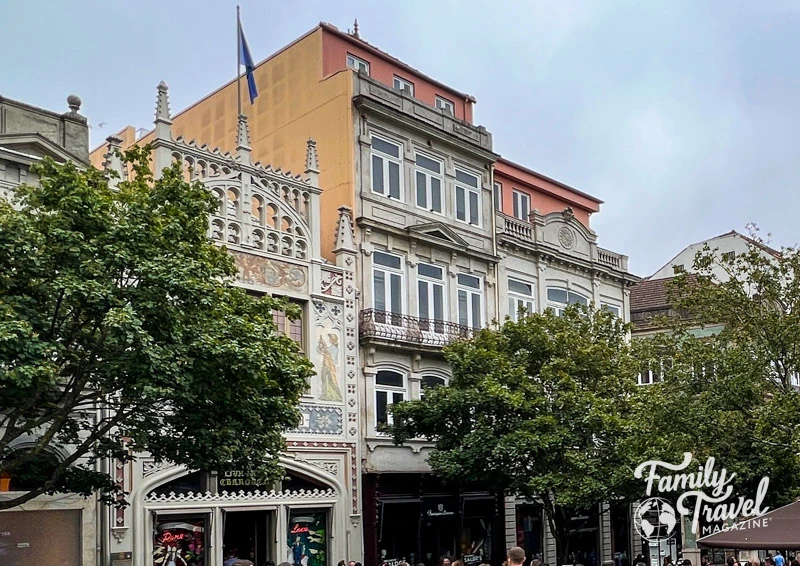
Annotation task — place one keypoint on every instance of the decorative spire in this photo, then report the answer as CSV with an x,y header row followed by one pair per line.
x,y
243,140
74,103
113,162
162,120
345,239
355,29
312,167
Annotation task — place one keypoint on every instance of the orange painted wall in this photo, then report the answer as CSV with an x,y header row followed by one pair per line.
x,y
128,136
546,196
335,50
293,104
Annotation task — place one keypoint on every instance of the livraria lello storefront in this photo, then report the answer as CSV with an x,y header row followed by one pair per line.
x,y
269,220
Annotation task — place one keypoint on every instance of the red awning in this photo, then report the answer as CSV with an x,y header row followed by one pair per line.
x,y
776,530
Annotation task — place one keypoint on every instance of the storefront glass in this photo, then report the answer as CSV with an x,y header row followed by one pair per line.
x,y
180,540
529,529
620,534
41,538
307,539
476,530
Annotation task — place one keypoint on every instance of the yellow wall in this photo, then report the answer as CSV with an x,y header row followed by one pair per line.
x,y
293,104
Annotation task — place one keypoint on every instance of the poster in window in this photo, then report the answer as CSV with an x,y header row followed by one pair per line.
x,y
179,542
307,538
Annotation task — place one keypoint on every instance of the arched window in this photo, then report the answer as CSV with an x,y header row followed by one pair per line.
x,y
558,299
31,474
390,388
429,382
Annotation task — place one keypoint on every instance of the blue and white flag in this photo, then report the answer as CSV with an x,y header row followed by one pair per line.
x,y
247,60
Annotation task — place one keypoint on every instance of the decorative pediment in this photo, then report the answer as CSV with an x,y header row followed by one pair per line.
x,y
439,233
36,145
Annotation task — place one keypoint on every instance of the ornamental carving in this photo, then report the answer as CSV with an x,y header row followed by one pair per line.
x,y
255,270
566,238
332,283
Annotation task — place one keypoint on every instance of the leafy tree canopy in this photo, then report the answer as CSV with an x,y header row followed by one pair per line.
x,y
121,332
545,407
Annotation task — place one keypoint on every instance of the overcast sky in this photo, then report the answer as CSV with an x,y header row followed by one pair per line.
x,y
683,116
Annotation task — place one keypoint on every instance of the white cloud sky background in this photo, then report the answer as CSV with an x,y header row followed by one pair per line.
x,y
683,116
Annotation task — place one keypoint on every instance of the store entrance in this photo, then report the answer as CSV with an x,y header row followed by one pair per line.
x,y
246,534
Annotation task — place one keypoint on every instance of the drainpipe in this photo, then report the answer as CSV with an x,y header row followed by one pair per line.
x,y
493,224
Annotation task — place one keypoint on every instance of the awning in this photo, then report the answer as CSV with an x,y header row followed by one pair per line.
x,y
776,530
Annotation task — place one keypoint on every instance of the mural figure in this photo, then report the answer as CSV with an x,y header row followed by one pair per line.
x,y
330,361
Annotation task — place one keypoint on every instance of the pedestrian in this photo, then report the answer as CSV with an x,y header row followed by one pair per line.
x,y
667,561
794,562
342,563
779,560
686,562
515,556
445,561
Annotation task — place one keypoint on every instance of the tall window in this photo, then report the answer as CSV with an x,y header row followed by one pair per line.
x,y
470,301
359,65
522,205
520,296
291,328
402,84
498,196
468,198
558,299
430,382
387,164
610,308
390,388
430,296
444,104
387,287
429,184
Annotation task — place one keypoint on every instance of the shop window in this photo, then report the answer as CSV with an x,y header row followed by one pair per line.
x,y
620,534
180,539
398,529
390,388
476,529
530,529
307,541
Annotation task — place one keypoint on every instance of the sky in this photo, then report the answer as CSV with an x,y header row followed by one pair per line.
x,y
682,116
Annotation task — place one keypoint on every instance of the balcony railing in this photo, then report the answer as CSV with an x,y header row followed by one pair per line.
x,y
515,228
402,328
609,258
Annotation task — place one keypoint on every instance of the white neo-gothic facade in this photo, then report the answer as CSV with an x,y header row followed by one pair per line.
x,y
269,221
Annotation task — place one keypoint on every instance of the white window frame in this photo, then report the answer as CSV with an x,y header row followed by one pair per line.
x,y
443,103
429,175
399,83
498,196
422,387
469,293
390,391
649,376
559,307
431,324
516,299
468,190
386,160
615,309
519,211
357,63
388,272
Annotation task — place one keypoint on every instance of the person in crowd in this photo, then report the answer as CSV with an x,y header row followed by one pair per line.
x,y
232,557
779,560
342,563
536,562
667,561
686,562
754,561
515,556
445,561
351,563
769,561
457,563
794,562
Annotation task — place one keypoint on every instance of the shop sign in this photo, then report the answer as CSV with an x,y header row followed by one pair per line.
x,y
307,540
472,559
236,480
438,508
392,562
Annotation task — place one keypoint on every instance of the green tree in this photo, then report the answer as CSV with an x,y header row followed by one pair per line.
x,y
731,393
544,407
121,332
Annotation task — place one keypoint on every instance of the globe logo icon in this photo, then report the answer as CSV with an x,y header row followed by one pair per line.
x,y
655,520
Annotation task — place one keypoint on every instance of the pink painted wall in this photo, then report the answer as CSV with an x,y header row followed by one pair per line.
x,y
546,195
334,58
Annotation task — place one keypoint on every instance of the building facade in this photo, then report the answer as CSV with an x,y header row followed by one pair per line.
x,y
269,221
60,528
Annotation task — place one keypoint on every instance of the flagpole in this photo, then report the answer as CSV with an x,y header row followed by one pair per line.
x,y
238,62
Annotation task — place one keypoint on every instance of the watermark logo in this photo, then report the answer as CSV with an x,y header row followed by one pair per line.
x,y
706,494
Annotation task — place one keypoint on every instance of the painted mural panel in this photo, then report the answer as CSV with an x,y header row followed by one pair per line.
x,y
255,270
319,419
329,348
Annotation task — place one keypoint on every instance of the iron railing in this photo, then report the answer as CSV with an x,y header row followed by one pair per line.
x,y
402,328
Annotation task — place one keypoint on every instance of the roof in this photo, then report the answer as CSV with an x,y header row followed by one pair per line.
x,y
772,251
549,180
384,55
653,294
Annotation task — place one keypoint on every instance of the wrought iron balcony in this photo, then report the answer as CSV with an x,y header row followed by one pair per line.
x,y
403,329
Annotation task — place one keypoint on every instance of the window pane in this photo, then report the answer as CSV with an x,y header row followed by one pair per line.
x,y
428,270
579,299
466,178
469,281
379,284
394,180
380,406
436,194
377,174
430,381
388,260
463,316
422,297
476,310
386,147
422,192
397,397
397,302
516,205
461,204
389,378
557,295
498,197
519,287
428,164
438,302
512,308
526,207
473,208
